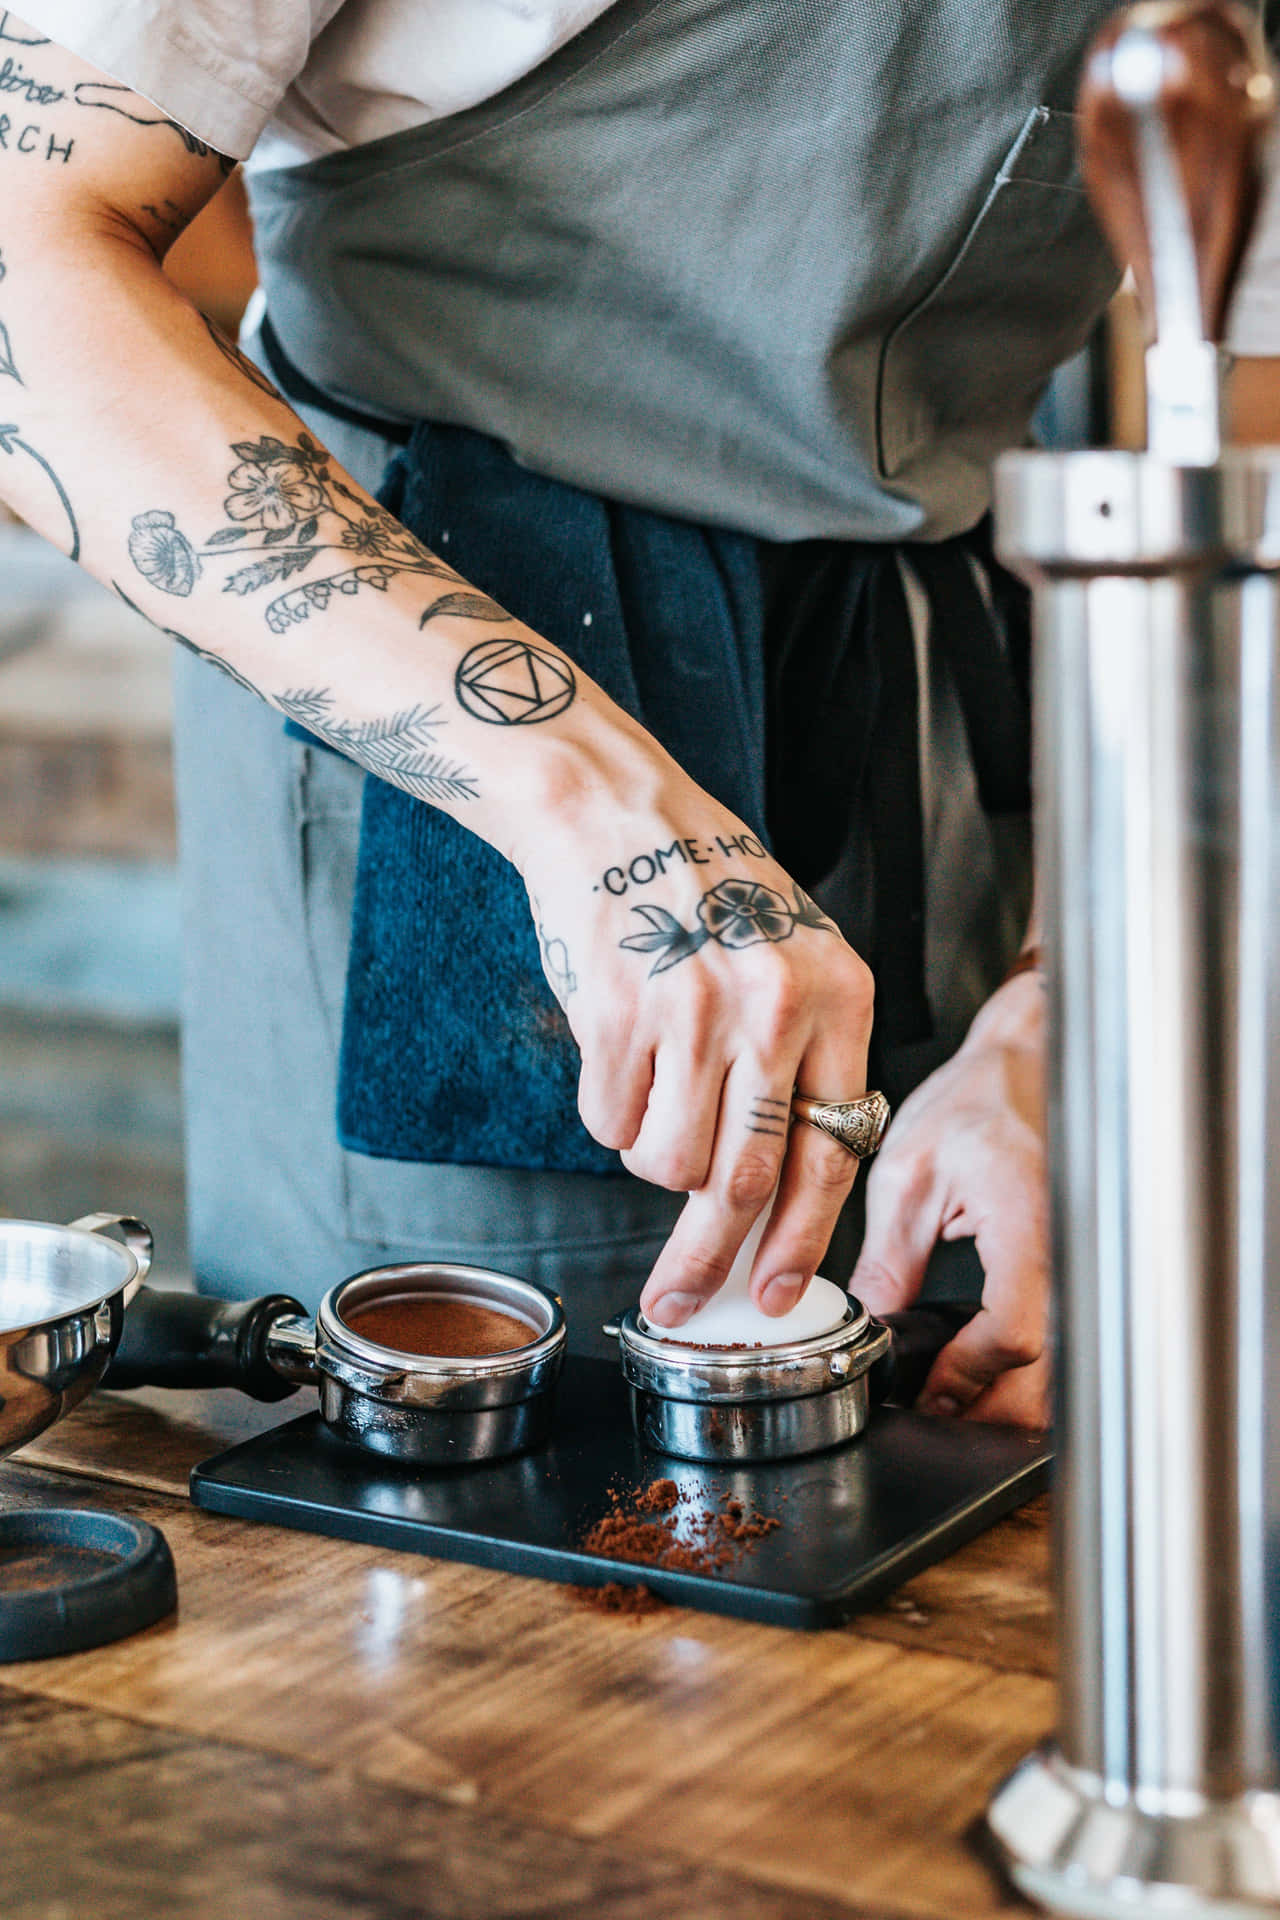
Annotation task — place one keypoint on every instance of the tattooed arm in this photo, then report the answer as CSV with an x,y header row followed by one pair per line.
x,y
701,985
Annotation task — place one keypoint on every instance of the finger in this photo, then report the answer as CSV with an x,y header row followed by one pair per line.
x,y
818,1173
613,1092
1022,1397
751,1140
674,1143
904,1219
817,1178
1010,1329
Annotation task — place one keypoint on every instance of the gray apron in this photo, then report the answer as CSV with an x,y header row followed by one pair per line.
x,y
801,272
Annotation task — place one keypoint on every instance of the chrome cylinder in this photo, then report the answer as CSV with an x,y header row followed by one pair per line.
x,y
1158,792
751,1403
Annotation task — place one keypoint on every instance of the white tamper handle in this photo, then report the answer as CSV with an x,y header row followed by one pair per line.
x,y
732,1318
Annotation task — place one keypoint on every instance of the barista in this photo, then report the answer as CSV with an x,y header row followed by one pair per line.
x,y
681,338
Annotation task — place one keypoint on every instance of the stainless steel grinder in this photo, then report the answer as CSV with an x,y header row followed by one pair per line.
x,y
1158,786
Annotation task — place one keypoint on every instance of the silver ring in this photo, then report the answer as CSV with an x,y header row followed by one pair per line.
x,y
858,1125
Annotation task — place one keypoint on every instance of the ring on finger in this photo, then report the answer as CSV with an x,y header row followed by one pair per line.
x,y
858,1125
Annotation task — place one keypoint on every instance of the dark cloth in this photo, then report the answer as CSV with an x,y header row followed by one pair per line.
x,y
782,678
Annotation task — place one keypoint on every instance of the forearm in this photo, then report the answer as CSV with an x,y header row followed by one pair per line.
x,y
137,442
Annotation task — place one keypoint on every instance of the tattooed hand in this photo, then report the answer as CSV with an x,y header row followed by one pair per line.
x,y
709,986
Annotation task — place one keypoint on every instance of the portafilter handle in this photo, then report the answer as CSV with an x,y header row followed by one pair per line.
x,y
1173,106
188,1340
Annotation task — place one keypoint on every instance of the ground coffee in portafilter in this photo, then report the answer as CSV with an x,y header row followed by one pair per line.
x,y
439,1326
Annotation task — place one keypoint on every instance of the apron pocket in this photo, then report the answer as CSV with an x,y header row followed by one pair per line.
x,y
1019,298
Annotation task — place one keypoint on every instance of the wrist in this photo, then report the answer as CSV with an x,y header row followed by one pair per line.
x,y
1014,1016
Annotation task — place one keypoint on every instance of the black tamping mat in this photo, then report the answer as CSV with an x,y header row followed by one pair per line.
x,y
854,1523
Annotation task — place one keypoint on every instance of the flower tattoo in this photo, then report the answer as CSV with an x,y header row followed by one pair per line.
x,y
286,505
272,497
162,554
735,914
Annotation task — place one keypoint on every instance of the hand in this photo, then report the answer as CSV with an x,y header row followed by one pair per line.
x,y
705,987
965,1155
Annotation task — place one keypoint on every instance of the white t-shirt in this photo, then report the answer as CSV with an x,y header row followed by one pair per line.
x,y
288,80
298,78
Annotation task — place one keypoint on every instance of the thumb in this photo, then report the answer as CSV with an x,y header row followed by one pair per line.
x,y
902,1230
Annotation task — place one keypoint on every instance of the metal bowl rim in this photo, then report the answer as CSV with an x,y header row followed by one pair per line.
x,y
96,1300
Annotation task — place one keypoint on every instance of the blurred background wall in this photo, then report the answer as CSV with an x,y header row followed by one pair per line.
x,y
89,1101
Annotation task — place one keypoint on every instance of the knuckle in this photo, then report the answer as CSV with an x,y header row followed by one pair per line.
x,y
882,1282
830,1168
751,1180
664,1166
781,1013
1019,1345
702,1271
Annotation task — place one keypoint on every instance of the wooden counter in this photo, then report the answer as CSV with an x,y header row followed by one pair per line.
x,y
334,1732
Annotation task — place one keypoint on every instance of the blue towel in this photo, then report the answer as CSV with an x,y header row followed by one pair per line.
x,y
453,1046
777,676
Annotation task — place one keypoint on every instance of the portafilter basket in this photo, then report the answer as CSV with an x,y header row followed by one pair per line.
x,y
433,1410
733,1404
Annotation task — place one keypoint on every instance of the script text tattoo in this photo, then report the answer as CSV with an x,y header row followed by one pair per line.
x,y
687,850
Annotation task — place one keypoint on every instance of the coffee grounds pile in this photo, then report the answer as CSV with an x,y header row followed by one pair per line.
x,y
630,1603
658,1526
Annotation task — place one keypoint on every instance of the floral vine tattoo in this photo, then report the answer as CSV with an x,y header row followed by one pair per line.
x,y
736,913
13,444
240,361
398,749
290,498
181,640
555,961
110,96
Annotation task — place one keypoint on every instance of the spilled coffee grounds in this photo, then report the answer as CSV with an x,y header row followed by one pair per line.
x,y
696,1530
630,1603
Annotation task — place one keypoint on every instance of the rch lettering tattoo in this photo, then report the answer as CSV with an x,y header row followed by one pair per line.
x,y
735,914
769,1116
646,867
286,495
32,138
111,98
512,683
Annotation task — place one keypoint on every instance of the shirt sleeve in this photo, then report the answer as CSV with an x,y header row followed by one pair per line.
x,y
217,67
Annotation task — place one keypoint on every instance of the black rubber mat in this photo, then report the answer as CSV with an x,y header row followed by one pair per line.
x,y
854,1523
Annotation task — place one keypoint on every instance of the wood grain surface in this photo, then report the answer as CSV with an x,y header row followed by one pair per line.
x,y
836,1773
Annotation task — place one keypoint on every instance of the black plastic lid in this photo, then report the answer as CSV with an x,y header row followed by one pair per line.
x,y
71,1578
